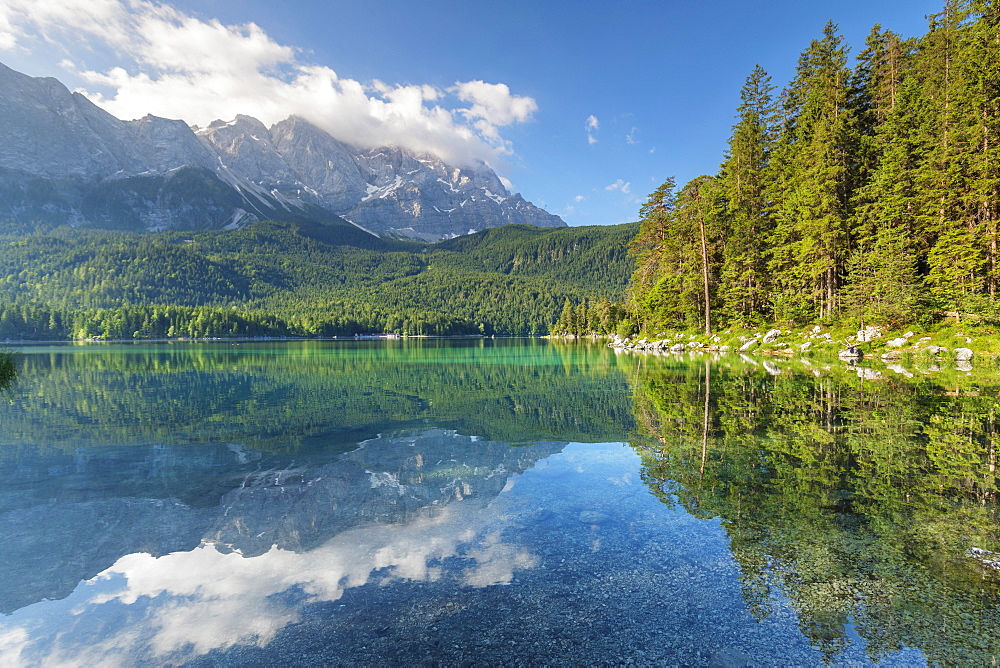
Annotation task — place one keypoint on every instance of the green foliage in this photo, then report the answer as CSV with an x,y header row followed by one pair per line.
x,y
333,392
744,281
886,287
297,279
855,500
810,184
869,194
8,370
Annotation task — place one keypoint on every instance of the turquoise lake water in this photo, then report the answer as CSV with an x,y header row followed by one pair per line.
x,y
491,502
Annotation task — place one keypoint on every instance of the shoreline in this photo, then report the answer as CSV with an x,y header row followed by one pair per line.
x,y
870,343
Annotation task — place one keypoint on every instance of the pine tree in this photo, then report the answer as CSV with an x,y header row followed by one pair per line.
x,y
883,285
978,72
878,87
955,257
700,210
656,217
885,288
564,325
812,181
687,252
743,284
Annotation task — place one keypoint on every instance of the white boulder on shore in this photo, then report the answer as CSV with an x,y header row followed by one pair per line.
x,y
771,336
869,333
851,352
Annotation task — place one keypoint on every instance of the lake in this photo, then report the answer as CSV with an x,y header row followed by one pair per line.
x,y
488,502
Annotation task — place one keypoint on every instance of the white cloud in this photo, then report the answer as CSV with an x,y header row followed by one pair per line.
x,y
210,598
592,125
579,198
494,102
630,137
624,187
179,66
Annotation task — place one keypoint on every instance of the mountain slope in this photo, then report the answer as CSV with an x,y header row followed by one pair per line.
x,y
291,278
60,153
387,190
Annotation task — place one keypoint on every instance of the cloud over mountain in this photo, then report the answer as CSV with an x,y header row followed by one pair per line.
x,y
179,66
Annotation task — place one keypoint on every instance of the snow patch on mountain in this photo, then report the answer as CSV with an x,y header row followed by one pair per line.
x,y
48,131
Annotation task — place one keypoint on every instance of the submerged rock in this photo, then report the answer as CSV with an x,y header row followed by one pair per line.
x,y
592,517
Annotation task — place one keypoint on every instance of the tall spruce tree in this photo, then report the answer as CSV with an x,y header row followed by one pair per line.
x,y
978,73
956,257
683,291
811,188
877,89
743,283
883,285
656,218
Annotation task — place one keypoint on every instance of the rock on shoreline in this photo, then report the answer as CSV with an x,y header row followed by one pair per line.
x,y
855,347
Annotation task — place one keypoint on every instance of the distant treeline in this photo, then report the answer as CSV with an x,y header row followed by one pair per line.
x,y
153,321
868,193
286,279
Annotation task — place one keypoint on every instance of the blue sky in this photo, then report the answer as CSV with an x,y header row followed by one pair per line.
x,y
585,107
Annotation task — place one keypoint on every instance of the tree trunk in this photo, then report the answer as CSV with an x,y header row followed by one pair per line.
x,y
704,273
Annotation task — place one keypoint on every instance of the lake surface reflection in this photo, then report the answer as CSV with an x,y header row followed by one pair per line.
x,y
489,502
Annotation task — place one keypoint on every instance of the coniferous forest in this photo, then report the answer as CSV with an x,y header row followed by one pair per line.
x,y
296,279
866,190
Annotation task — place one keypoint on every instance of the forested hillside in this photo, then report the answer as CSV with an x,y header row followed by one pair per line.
x,y
279,279
865,191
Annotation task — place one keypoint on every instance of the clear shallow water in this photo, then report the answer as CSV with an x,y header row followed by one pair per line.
x,y
397,502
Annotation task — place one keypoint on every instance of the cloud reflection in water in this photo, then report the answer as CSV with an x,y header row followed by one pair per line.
x,y
182,605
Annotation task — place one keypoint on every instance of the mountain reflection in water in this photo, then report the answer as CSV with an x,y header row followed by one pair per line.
x,y
327,502
444,558
394,509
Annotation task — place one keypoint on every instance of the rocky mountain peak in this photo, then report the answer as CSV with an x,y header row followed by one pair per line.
x,y
51,133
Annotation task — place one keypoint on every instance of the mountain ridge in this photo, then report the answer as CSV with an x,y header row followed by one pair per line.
x,y
290,169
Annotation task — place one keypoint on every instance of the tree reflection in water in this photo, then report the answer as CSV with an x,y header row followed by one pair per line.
x,y
858,499
8,370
